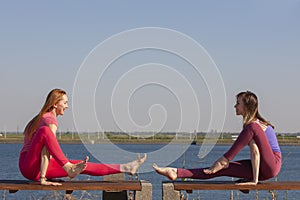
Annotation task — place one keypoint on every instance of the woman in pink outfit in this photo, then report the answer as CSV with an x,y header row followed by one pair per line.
x,y
41,157
257,133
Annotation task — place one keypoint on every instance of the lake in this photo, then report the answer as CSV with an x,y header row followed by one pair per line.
x,y
9,154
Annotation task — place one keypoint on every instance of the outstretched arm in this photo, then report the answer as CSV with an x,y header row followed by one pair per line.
x,y
44,166
45,156
255,161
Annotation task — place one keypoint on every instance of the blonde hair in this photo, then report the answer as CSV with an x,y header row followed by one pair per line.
x,y
250,102
52,98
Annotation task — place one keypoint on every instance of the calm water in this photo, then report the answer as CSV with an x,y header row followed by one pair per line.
x,y
290,171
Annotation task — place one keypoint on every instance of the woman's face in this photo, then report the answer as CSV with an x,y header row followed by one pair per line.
x,y
61,106
239,107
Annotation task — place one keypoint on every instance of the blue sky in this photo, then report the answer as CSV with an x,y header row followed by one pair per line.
x,y
255,45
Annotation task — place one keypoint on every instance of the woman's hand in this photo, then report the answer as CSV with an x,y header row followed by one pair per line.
x,y
44,181
248,183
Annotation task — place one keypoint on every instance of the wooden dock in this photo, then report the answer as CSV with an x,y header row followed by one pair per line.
x,y
171,189
143,189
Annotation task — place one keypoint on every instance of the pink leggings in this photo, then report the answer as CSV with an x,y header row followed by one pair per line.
x,y
30,161
270,162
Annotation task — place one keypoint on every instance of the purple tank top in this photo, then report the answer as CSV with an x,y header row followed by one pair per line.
x,y
271,135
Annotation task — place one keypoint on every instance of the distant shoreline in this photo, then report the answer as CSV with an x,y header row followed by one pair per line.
x,y
161,138
219,142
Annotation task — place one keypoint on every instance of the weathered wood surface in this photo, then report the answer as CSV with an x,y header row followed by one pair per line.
x,y
15,185
229,185
171,189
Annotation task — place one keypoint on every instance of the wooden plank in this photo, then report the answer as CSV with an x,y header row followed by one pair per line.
x,y
15,185
229,185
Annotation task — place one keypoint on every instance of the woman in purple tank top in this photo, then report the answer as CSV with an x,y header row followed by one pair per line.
x,y
257,133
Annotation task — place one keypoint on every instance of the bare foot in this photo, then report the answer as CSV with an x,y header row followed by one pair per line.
x,y
169,172
74,169
217,166
132,167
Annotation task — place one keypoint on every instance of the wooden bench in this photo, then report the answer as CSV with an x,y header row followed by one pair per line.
x,y
171,188
143,189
